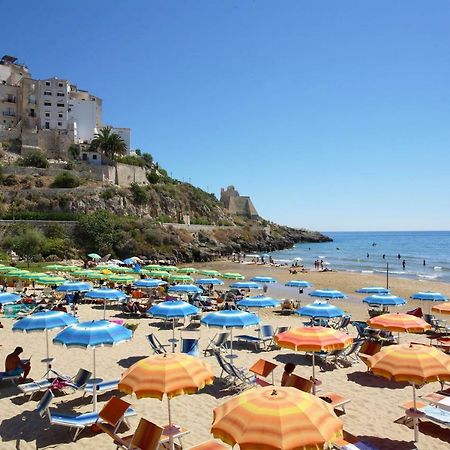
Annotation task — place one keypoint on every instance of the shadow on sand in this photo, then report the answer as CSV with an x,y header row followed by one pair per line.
x,y
370,380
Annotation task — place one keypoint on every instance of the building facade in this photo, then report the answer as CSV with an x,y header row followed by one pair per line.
x,y
125,135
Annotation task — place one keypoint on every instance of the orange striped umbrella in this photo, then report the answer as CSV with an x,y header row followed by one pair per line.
x,y
171,374
415,363
313,339
442,308
399,322
284,418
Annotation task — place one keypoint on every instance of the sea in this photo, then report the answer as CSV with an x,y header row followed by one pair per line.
x,y
426,253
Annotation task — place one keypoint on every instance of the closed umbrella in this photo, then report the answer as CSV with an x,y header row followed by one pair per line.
x,y
105,295
173,309
171,374
230,319
313,339
327,293
414,363
100,333
272,418
44,321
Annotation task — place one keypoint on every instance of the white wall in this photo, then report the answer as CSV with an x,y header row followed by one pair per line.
x,y
55,112
84,114
125,134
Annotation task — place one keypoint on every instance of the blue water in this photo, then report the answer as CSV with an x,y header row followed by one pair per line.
x,y
349,250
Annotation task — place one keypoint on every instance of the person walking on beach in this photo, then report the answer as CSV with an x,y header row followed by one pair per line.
x,y
403,264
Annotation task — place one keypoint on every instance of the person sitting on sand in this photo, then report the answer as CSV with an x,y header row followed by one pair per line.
x,y
16,366
288,369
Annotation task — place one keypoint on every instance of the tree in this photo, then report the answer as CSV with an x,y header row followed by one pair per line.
x,y
28,244
108,143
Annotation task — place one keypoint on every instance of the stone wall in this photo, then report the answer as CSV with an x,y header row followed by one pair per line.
x,y
6,135
126,175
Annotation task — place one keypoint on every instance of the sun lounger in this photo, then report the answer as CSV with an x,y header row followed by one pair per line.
x,y
35,386
157,347
265,335
189,346
210,445
114,412
217,343
368,349
104,386
303,384
234,375
4,376
336,401
263,368
147,436
351,442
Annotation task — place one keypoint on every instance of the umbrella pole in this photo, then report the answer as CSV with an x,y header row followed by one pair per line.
x,y
314,373
94,387
231,342
104,309
415,419
173,342
171,432
48,359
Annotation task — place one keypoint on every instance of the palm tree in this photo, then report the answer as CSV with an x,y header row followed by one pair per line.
x,y
108,143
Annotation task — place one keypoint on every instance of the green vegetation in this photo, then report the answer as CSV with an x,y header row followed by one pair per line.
x,y
74,151
66,180
39,215
139,194
108,143
35,158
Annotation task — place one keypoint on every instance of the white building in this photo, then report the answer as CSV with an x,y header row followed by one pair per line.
x,y
53,104
125,134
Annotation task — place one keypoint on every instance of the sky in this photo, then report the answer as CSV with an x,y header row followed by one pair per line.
x,y
331,115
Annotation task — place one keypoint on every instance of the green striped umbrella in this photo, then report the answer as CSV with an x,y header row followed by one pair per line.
x,y
97,276
233,276
82,272
122,278
210,273
159,274
51,280
8,268
187,270
125,270
70,268
144,272
32,275
55,267
170,268
153,267
180,279
16,273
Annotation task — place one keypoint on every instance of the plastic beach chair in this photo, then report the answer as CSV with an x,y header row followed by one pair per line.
x,y
147,436
114,413
189,346
265,336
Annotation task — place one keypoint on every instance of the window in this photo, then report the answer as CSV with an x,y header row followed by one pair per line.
x,y
47,93
94,156
61,84
84,157
60,94
47,125
60,105
60,115
47,104
59,124
47,114
47,83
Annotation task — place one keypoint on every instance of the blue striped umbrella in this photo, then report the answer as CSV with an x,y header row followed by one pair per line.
x,y
173,309
185,289
245,285
105,294
149,283
100,333
230,319
74,286
298,283
429,296
44,321
258,301
384,300
262,279
213,281
373,290
327,293
6,297
320,311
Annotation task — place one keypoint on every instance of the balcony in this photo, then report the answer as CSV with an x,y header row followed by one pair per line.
x,y
9,113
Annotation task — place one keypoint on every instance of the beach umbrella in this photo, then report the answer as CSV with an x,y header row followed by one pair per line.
x,y
71,268
276,418
74,286
327,293
122,279
261,279
298,284
99,333
429,296
17,273
4,269
123,270
187,270
313,339
129,261
405,323
7,297
184,289
32,275
384,300
105,295
233,276
153,267
373,290
213,281
171,374
50,280
443,308
148,283
245,285
44,321
258,301
54,267
169,268
94,256
414,363
97,275
230,319
83,273
173,309
319,310
180,279
159,274
210,273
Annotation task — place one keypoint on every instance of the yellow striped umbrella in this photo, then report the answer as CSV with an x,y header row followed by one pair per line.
x,y
399,322
271,418
171,374
313,339
442,308
415,363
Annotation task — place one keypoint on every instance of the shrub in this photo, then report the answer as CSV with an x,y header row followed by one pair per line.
x,y
66,180
139,194
108,193
35,158
74,151
153,177
10,180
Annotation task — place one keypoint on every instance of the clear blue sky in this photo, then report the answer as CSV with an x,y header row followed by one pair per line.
x,y
331,115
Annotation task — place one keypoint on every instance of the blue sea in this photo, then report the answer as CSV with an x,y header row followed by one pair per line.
x,y
363,252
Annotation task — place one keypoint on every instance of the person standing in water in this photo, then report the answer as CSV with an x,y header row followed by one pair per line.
x,y
424,263
403,264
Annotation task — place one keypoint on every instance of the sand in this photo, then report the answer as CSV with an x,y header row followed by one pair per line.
x,y
371,414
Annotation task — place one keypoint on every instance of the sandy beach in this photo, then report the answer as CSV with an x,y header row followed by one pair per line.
x,y
371,414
